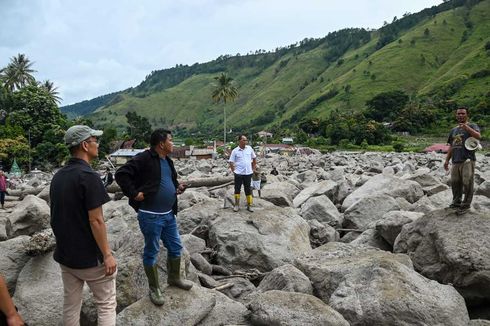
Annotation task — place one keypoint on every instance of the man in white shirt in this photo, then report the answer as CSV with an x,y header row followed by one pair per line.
x,y
243,163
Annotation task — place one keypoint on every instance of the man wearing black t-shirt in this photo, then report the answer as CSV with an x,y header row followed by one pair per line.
x,y
150,182
463,169
82,250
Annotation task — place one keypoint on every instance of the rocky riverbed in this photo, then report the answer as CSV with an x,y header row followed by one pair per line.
x,y
335,239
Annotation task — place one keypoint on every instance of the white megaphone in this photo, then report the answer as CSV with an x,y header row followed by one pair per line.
x,y
472,144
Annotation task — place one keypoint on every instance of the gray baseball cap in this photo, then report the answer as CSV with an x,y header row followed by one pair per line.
x,y
78,133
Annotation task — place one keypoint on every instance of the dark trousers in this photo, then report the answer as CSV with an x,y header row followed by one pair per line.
x,y
2,197
245,180
462,182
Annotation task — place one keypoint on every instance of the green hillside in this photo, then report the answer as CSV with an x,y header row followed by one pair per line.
x,y
439,54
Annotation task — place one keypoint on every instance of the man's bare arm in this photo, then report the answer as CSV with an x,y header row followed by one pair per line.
x,y
99,231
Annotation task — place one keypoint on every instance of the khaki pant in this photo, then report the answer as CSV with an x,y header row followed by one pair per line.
x,y
462,182
103,288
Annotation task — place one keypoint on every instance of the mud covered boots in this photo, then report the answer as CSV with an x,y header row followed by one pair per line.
x,y
156,295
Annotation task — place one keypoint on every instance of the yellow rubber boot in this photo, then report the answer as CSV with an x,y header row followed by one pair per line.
x,y
249,203
237,203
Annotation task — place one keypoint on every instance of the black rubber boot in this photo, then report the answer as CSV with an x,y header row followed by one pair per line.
x,y
156,295
174,277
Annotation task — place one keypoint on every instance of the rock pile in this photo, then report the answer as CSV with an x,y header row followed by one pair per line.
x,y
336,239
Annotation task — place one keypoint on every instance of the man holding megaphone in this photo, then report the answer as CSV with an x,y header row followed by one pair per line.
x,y
463,160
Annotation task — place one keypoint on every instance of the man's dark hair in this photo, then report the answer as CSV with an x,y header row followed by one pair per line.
x,y
464,108
159,135
240,137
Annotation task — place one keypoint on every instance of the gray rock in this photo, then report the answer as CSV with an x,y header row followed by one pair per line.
x,y
321,209
483,189
325,187
44,194
28,217
193,244
39,292
264,240
368,210
392,222
374,287
13,257
180,308
201,263
226,312
241,290
321,233
198,214
371,238
289,308
451,248
423,177
192,197
279,193
286,278
435,189
387,185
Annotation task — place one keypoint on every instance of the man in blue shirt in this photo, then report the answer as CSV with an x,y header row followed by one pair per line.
x,y
150,182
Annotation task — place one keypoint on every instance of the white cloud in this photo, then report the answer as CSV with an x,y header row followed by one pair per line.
x,y
90,48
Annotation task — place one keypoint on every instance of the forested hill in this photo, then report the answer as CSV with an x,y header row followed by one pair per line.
x,y
437,57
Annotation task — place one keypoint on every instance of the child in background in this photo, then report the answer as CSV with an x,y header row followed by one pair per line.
x,y
256,180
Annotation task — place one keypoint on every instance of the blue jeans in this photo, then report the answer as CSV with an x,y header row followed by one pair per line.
x,y
155,227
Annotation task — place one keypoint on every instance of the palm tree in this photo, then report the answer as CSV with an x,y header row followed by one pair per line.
x,y
226,91
18,73
52,91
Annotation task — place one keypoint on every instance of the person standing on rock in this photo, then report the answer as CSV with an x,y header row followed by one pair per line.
x,y
3,188
82,250
243,164
463,160
149,180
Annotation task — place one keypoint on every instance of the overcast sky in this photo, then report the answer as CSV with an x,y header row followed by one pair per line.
x,y
93,47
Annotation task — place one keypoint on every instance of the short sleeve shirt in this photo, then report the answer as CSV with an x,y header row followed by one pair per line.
x,y
456,139
74,190
242,159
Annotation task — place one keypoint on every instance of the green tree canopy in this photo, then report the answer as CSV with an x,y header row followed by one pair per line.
x,y
139,128
386,106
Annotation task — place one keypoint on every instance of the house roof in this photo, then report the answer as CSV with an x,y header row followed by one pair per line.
x,y
126,152
440,148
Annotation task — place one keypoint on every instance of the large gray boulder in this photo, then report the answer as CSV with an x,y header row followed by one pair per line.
x,y
371,238
392,222
368,210
286,278
265,239
280,193
451,248
422,176
325,187
226,312
39,292
372,287
290,308
483,189
385,185
322,209
30,216
199,214
13,257
180,308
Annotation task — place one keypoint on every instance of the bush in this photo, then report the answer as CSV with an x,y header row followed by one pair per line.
x,y
398,147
